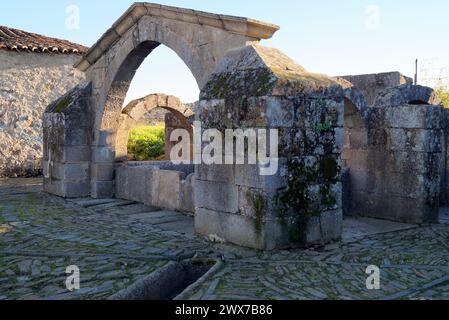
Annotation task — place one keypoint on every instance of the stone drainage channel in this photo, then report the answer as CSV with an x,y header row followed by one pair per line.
x,y
175,281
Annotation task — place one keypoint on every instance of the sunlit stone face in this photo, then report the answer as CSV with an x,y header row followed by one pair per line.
x,y
4,228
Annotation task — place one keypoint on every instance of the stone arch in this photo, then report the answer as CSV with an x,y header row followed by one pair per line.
x,y
356,139
356,116
136,110
354,149
122,71
407,94
200,39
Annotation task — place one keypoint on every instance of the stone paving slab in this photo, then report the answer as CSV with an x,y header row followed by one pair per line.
x,y
305,280
116,245
359,227
88,202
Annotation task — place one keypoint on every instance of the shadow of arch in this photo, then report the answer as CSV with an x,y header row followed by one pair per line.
x,y
356,132
354,148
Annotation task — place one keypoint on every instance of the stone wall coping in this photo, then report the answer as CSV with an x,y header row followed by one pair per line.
x,y
237,25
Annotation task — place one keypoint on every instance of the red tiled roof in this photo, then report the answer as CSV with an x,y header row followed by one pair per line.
x,y
18,40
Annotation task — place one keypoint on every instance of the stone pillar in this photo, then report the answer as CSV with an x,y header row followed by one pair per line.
x,y
103,162
301,202
172,123
67,131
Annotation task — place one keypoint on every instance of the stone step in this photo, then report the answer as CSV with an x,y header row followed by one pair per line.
x,y
117,203
155,215
89,202
132,209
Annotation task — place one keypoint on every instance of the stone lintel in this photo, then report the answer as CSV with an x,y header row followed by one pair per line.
x,y
237,25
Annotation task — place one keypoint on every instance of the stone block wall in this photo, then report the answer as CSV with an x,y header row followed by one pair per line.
x,y
67,127
29,82
162,185
354,149
444,189
397,174
301,203
312,199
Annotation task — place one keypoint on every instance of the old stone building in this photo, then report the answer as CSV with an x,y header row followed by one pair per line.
x,y
369,145
34,71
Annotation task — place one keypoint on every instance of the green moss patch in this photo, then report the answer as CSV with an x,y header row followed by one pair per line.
x,y
62,104
250,83
259,204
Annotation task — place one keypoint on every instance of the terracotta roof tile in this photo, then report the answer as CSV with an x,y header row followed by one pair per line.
x,y
18,40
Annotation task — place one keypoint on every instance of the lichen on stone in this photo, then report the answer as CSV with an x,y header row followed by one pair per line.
x,y
313,168
249,83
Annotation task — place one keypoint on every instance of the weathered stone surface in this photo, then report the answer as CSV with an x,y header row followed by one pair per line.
x,y
271,73
308,110
217,173
29,82
153,185
172,123
188,194
402,209
249,176
406,94
166,187
239,230
394,154
388,134
67,154
218,196
372,84
414,116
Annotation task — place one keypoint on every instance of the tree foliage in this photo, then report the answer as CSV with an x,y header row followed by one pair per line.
x,y
443,94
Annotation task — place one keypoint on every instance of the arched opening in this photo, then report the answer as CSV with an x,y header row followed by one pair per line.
x,y
354,157
163,72
149,138
146,128
147,176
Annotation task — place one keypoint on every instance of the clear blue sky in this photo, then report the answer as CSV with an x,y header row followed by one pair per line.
x,y
334,37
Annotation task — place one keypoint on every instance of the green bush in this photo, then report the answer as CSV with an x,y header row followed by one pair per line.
x,y
147,143
443,94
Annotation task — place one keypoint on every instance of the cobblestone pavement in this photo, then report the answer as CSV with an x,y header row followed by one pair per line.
x,y
115,243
